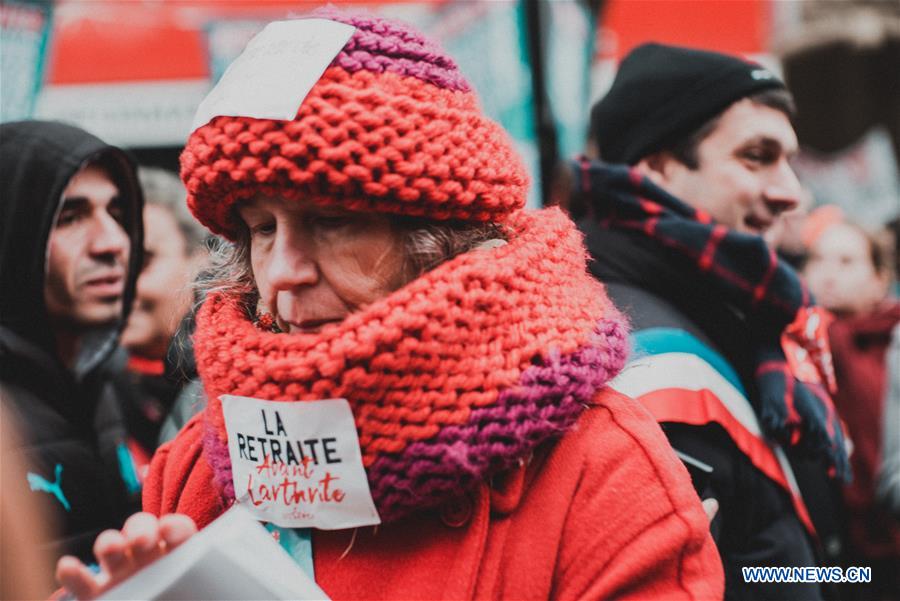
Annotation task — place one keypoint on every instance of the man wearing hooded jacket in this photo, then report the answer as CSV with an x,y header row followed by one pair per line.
x,y
70,252
728,352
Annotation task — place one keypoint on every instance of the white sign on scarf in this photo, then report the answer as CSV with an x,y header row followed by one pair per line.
x,y
298,465
275,72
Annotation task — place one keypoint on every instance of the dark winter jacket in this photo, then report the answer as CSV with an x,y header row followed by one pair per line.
x,y
148,390
691,367
73,439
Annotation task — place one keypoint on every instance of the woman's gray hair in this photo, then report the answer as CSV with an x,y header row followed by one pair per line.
x,y
426,244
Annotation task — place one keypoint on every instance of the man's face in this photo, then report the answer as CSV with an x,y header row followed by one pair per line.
x,y
163,296
87,254
744,180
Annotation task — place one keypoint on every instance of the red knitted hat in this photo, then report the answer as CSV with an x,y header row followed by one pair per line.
x,y
391,126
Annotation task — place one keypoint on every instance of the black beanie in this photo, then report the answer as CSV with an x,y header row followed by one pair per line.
x,y
662,93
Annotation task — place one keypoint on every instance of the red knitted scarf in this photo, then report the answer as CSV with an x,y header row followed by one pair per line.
x,y
456,376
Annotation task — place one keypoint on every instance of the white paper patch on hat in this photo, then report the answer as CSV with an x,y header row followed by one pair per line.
x,y
275,72
298,465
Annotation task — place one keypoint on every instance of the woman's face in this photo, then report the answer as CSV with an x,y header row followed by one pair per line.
x,y
840,272
315,265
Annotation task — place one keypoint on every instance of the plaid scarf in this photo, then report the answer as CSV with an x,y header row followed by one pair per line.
x,y
793,402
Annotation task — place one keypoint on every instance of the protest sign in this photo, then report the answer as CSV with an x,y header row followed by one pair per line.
x,y
298,464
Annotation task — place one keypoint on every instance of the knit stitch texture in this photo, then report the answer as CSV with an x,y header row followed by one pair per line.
x,y
458,375
391,126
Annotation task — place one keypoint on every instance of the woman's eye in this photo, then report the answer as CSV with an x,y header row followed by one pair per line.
x,y
263,229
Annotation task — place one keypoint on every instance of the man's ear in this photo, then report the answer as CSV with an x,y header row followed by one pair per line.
x,y
657,167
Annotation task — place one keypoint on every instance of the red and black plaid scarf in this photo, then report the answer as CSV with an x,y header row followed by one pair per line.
x,y
793,404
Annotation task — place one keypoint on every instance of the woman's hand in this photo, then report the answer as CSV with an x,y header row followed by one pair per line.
x,y
142,540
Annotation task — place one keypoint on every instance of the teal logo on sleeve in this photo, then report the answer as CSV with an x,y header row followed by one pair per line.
x,y
128,469
39,483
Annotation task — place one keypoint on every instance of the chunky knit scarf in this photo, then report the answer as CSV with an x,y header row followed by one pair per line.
x,y
742,270
456,376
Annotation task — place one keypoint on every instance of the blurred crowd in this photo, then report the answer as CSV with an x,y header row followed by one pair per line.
x,y
764,330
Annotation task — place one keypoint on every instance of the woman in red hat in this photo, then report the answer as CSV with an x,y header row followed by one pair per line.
x,y
379,253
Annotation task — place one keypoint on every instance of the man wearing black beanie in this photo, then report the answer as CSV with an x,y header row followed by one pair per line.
x,y
695,149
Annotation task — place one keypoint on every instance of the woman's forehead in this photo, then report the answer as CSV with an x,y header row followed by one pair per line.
x,y
843,238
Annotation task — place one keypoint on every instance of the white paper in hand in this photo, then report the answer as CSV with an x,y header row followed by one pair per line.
x,y
275,72
232,558
298,465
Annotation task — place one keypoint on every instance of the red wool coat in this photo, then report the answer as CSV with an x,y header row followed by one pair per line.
x,y
606,512
860,348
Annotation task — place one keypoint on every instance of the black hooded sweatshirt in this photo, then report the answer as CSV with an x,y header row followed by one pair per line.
x,y
71,431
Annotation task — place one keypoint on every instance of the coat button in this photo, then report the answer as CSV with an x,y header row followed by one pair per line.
x,y
457,512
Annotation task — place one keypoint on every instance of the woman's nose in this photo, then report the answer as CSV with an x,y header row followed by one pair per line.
x,y
292,262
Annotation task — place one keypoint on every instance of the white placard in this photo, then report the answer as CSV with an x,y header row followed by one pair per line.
x,y
275,72
233,558
298,465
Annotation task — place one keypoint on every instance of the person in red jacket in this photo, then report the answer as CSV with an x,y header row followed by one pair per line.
x,y
381,269
850,274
